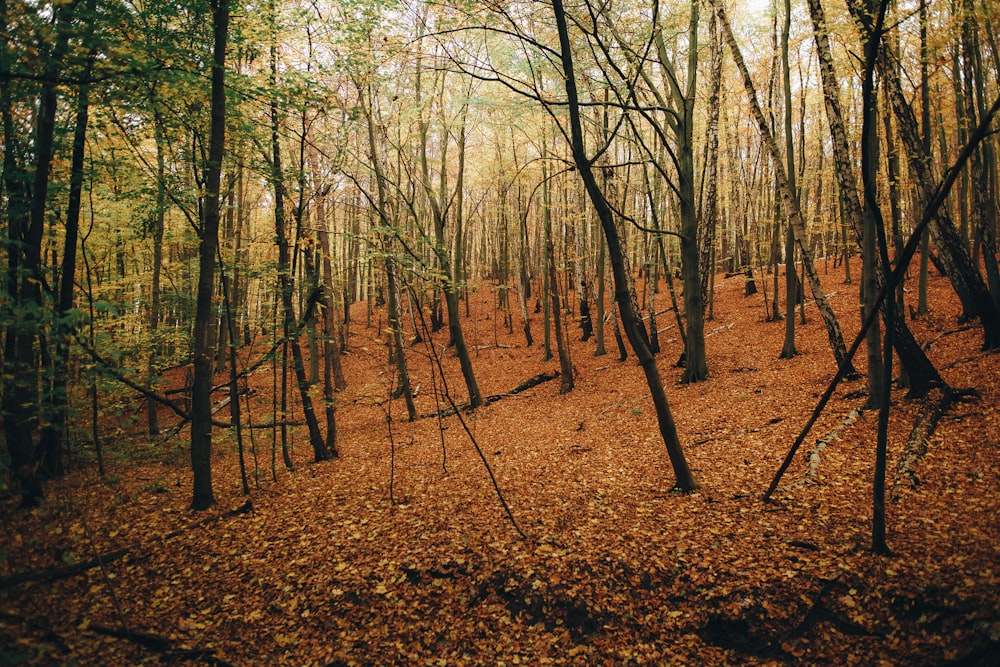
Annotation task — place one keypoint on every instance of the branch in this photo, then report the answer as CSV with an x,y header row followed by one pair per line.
x,y
940,194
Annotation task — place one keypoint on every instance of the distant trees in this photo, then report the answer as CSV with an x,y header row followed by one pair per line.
x,y
323,154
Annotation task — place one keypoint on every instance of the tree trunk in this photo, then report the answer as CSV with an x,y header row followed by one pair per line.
x,y
202,348
983,205
333,371
565,365
396,347
668,430
599,297
157,224
791,282
834,334
438,203
54,432
397,351
874,222
925,244
710,211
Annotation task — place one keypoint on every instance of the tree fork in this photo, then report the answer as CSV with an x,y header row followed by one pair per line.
x,y
668,429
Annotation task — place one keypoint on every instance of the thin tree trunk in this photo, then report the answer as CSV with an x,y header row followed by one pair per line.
x,y
599,297
983,206
565,365
710,211
333,371
695,361
875,224
791,281
54,432
438,204
925,135
234,388
834,334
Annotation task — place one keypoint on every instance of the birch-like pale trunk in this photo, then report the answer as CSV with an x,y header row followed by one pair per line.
x,y
918,367
834,334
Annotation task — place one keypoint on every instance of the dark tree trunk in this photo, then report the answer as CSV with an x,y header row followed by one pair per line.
x,y
565,366
54,433
953,253
586,325
202,348
26,200
668,430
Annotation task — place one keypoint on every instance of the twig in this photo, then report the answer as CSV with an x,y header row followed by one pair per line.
x,y
927,345
493,398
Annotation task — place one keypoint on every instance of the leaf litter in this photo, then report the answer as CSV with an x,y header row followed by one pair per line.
x,y
322,568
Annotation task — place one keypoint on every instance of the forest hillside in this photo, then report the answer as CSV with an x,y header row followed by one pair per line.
x,y
400,552
373,332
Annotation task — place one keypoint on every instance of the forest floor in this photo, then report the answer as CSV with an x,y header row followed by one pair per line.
x,y
331,565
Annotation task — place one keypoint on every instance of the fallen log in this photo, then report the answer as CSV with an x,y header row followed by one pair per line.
x,y
52,574
813,457
920,435
724,327
529,383
493,398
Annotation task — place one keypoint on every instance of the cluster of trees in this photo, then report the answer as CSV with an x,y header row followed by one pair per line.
x,y
181,179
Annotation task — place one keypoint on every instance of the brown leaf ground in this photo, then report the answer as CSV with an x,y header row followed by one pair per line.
x,y
617,569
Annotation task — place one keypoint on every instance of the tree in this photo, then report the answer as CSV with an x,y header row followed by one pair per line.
x,y
565,365
27,191
791,282
439,201
710,210
920,370
677,100
789,201
54,431
954,255
684,477
202,343
397,351
285,277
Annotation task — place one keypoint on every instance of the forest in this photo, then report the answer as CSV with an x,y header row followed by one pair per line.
x,y
591,332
